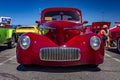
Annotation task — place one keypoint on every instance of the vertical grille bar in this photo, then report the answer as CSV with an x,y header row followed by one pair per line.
x,y
59,54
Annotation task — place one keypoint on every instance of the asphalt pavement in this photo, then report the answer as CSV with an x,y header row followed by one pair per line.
x,y
11,70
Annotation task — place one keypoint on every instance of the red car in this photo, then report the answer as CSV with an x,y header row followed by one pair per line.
x,y
97,26
66,43
115,35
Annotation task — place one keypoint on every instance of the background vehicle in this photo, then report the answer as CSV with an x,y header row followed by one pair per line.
x,y
65,44
115,35
7,33
97,26
24,29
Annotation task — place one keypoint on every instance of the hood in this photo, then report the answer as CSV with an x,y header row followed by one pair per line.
x,y
25,29
115,29
62,31
62,24
100,24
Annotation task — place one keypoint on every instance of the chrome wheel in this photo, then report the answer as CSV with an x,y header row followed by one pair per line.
x,y
11,44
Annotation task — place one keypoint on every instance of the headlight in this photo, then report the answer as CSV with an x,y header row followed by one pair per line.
x,y
24,42
95,42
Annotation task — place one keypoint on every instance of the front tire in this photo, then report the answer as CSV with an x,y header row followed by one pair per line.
x,y
11,44
118,45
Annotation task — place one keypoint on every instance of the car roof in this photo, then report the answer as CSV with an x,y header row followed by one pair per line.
x,y
63,9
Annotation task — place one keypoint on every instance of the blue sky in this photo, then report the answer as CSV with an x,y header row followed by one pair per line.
x,y
26,12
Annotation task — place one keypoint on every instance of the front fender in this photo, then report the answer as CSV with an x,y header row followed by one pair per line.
x,y
40,41
10,33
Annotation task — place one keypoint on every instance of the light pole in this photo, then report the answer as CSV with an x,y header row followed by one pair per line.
x,y
102,15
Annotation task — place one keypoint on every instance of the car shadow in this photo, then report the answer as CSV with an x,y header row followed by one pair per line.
x,y
3,47
58,69
113,49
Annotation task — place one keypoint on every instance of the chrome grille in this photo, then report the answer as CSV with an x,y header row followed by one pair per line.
x,y
60,54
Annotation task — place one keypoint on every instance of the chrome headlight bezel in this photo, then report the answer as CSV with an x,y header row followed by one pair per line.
x,y
95,42
24,42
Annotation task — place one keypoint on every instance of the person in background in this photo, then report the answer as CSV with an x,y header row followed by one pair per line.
x,y
105,35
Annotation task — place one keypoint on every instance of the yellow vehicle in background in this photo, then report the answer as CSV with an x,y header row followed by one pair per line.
x,y
24,29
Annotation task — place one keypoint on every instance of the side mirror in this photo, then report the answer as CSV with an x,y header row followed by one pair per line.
x,y
38,22
85,22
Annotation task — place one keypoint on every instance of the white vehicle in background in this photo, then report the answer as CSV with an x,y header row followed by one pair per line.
x,y
5,20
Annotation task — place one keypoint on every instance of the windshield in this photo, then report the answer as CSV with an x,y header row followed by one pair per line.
x,y
61,15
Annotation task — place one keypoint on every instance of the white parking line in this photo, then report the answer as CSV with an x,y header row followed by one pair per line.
x,y
118,60
7,60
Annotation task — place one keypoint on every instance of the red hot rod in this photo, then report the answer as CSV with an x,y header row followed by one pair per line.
x,y
115,35
66,42
98,26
